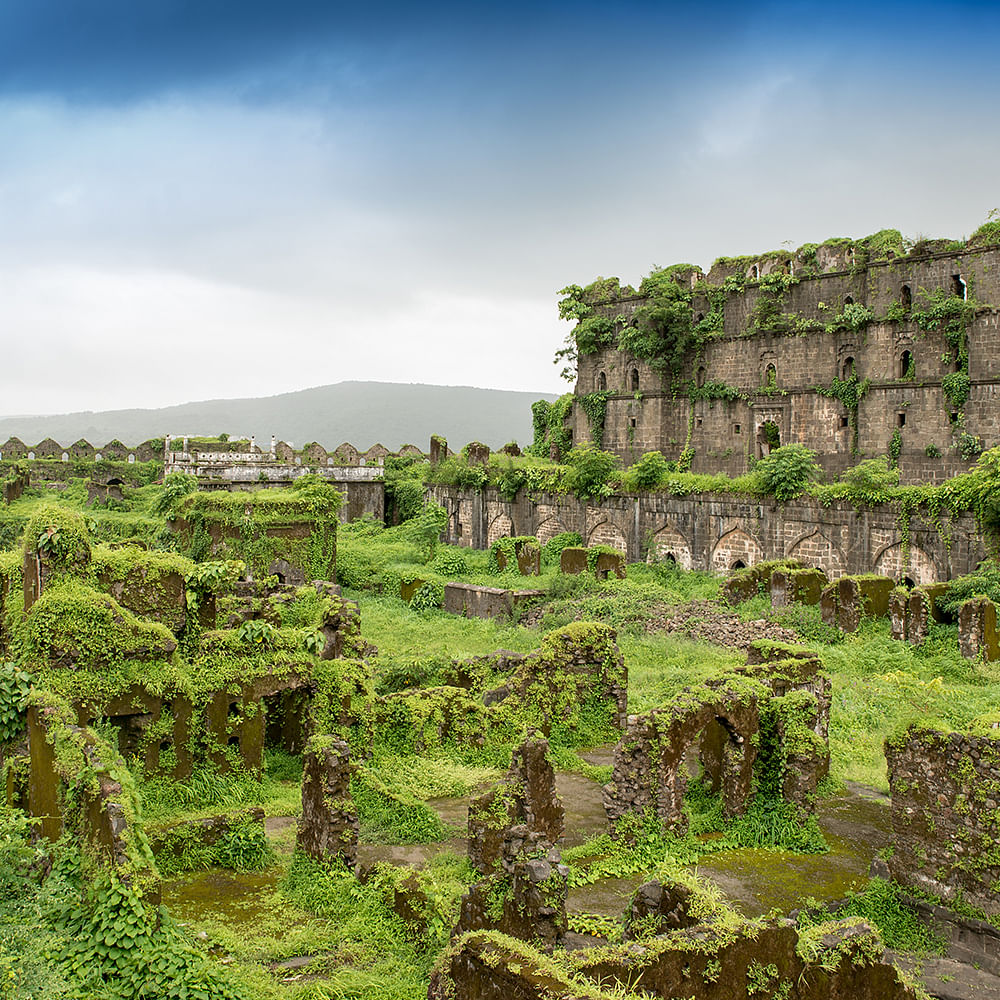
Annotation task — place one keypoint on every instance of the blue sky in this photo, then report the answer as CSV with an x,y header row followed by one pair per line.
x,y
205,199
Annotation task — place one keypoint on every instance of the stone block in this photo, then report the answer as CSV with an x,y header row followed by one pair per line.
x,y
573,560
608,563
474,601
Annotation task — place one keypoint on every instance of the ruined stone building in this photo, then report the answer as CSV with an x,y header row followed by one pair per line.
x,y
852,348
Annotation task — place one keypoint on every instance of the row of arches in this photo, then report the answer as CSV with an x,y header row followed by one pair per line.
x,y
737,549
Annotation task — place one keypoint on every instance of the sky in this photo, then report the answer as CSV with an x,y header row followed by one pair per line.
x,y
204,199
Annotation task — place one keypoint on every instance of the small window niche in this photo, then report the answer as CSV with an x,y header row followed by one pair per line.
x,y
959,287
907,365
901,418
848,369
906,298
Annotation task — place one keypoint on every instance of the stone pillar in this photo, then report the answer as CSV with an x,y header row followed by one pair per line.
x,y
273,445
977,629
919,612
328,829
524,812
439,449
899,613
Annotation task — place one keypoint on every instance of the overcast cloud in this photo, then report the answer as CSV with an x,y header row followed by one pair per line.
x,y
205,199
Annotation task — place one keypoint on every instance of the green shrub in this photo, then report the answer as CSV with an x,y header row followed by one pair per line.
x,y
787,471
592,470
648,473
428,597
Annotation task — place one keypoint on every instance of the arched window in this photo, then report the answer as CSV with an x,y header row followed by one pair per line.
x,y
739,564
848,370
755,272
959,287
602,382
905,298
635,379
770,375
848,300
906,365
700,377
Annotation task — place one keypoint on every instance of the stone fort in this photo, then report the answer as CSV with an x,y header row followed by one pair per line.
x,y
785,331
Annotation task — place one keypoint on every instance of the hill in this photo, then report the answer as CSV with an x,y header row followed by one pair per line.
x,y
362,413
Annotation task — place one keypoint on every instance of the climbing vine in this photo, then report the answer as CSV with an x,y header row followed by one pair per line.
x,y
595,406
850,391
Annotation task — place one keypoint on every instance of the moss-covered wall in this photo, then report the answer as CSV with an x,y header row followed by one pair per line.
x,y
946,811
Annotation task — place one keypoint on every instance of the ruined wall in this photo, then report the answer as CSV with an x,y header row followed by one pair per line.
x,y
836,960
946,812
644,413
714,531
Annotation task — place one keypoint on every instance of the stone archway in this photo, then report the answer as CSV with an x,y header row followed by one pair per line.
x,y
816,551
500,527
609,534
669,545
548,529
733,547
917,565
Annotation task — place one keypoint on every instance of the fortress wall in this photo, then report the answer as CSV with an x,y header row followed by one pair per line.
x,y
712,531
723,434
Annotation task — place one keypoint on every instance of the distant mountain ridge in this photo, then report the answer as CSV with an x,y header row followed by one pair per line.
x,y
362,413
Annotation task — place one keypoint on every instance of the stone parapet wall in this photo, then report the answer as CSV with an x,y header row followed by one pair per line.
x,y
713,532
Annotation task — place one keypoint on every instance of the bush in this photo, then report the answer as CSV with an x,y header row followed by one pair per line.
x,y
450,563
592,470
649,472
871,476
787,471
428,597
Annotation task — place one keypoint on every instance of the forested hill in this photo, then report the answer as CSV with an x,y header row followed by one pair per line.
x,y
359,412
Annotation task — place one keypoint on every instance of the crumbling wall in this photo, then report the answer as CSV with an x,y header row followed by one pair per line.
x,y
474,601
837,539
945,790
846,601
523,812
649,773
833,961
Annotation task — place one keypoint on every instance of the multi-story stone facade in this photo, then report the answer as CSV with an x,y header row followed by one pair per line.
x,y
779,376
